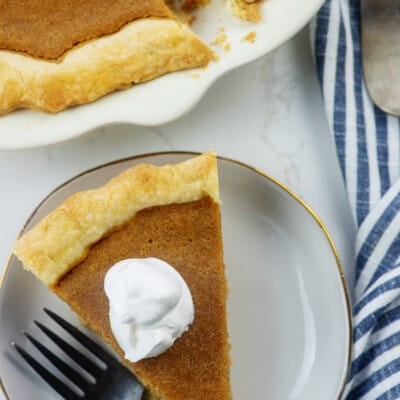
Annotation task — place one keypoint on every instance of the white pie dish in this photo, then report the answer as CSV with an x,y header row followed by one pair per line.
x,y
166,98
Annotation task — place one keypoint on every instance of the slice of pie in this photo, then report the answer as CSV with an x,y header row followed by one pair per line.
x,y
169,212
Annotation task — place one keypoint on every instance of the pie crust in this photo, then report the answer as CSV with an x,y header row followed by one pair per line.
x,y
100,66
62,239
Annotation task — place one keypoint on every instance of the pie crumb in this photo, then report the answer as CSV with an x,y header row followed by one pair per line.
x,y
221,40
250,37
248,10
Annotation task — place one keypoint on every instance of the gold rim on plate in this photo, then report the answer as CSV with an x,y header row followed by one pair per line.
x,y
298,199
3,389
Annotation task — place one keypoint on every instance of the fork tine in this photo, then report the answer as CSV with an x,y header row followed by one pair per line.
x,y
76,355
46,375
62,366
82,338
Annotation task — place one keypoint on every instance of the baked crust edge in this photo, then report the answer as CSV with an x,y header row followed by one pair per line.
x,y
142,50
62,239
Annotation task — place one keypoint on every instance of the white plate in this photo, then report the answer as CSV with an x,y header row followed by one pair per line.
x,y
288,310
172,95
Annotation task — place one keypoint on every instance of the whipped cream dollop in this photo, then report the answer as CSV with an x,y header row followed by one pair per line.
x,y
150,306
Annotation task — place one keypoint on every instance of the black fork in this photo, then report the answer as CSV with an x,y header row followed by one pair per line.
x,y
112,381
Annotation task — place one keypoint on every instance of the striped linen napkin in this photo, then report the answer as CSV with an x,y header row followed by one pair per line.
x,y
368,147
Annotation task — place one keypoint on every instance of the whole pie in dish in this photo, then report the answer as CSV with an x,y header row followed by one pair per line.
x,y
74,52
169,212
57,54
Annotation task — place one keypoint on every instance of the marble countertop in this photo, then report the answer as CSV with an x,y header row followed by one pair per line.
x,y
268,113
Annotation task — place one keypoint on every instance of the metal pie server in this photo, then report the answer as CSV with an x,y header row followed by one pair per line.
x,y
380,31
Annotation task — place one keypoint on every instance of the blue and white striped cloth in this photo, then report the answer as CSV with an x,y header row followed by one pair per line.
x,y
368,147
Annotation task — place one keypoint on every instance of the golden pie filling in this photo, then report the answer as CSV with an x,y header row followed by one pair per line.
x,y
47,28
186,236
